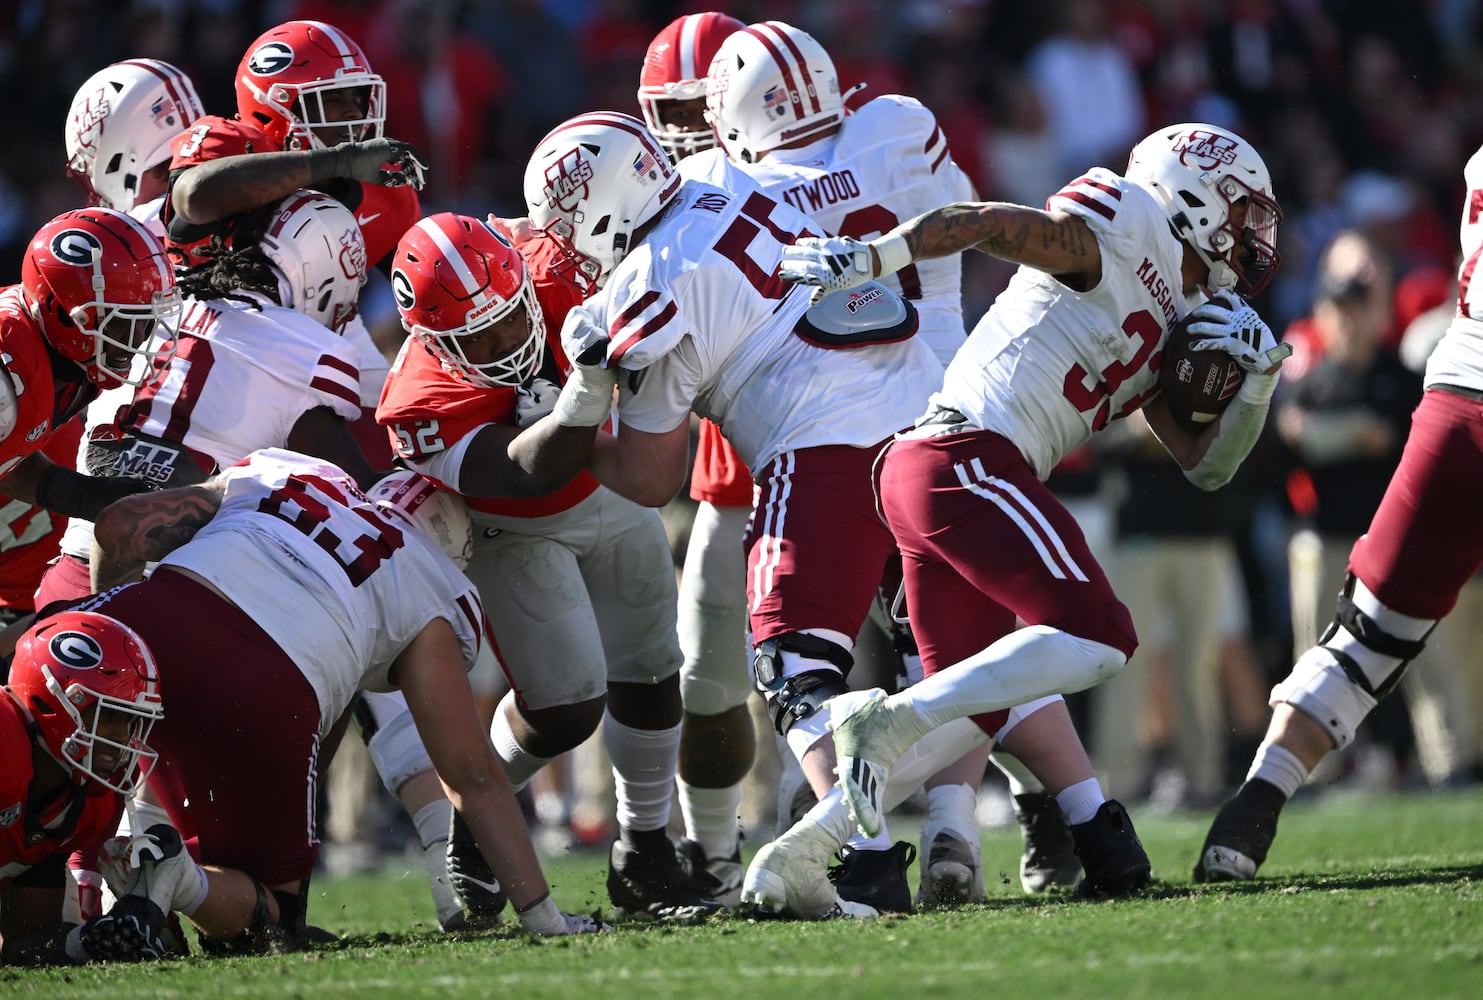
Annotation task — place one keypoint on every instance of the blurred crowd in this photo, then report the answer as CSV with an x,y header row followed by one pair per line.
x,y
1365,111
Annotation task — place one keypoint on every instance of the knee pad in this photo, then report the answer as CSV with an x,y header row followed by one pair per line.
x,y
714,676
385,723
800,694
1359,660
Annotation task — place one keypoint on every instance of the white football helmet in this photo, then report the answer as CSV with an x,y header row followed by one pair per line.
x,y
319,251
1200,173
674,72
120,125
771,84
591,182
440,515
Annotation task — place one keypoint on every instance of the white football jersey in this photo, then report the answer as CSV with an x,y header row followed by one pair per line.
x,y
1048,366
341,583
1458,357
700,317
888,164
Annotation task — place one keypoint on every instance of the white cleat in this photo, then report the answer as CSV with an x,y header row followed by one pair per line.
x,y
870,731
790,875
1225,864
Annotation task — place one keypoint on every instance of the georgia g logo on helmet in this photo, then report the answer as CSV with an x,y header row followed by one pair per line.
x,y
77,650
76,247
270,59
401,289
567,180
1207,150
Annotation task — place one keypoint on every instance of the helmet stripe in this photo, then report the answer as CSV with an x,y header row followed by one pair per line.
x,y
623,123
344,48
455,260
761,32
689,48
177,85
160,259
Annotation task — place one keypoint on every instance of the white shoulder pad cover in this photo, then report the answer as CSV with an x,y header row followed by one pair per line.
x,y
10,406
859,317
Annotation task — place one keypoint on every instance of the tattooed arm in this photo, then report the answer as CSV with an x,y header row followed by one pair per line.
x,y
145,528
1047,241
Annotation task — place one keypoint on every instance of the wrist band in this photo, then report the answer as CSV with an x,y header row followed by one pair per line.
x,y
892,252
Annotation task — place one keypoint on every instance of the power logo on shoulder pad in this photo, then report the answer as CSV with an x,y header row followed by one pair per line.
x,y
76,247
77,650
270,59
401,290
567,180
1204,150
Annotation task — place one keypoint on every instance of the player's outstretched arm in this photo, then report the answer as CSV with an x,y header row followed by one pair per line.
x,y
145,528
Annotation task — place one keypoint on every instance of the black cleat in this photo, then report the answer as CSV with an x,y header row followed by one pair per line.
x,y
472,880
1050,860
1111,854
645,877
718,878
1241,835
875,879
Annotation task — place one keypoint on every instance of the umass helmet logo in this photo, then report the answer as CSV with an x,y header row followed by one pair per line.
x,y
77,650
75,247
270,59
1205,150
567,180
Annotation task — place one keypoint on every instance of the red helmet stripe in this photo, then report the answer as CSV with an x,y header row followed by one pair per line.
x,y
770,35
172,79
623,123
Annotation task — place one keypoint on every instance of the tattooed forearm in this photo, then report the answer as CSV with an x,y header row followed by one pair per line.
x,y
964,225
168,520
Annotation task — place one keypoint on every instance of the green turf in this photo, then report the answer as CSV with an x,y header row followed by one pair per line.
x,y
1362,897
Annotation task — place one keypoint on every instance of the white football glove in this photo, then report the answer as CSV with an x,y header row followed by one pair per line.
x,y
588,394
832,264
1228,324
534,400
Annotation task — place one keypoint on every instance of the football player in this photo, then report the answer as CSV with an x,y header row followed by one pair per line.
x,y
1405,572
95,285
859,173
80,700
302,591
706,326
1194,213
578,582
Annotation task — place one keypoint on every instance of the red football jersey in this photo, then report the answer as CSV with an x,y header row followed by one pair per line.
x,y
384,213
42,404
30,832
428,410
30,538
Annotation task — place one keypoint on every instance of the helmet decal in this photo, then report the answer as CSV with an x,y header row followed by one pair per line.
x,y
271,59
567,180
1205,150
76,247
77,650
401,289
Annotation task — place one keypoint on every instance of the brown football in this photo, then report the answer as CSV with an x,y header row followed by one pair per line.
x,y
1198,385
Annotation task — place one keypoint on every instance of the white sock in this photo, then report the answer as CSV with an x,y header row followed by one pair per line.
x,y
952,807
860,842
1026,664
1021,781
1278,766
432,822
1081,801
520,764
831,817
645,763
711,817
190,895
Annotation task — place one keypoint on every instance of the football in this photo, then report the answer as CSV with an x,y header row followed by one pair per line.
x,y
1198,385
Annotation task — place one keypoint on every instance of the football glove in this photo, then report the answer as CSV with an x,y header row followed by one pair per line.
x,y
388,162
133,931
1228,324
534,400
542,918
832,264
588,394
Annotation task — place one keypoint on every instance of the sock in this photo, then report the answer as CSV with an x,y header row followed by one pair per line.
x,y
830,819
520,764
432,822
953,808
1029,663
189,896
1278,767
645,763
1081,801
1021,781
860,842
711,817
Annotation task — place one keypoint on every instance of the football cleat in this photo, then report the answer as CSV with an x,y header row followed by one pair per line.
x,y
870,731
953,874
874,880
132,931
1111,854
646,878
1050,860
1241,835
718,878
472,880
790,877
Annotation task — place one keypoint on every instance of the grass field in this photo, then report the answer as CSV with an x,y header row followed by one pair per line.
x,y
1363,897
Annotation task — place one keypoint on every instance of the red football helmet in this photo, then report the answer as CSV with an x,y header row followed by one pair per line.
x,y
100,285
674,70
453,278
289,75
89,685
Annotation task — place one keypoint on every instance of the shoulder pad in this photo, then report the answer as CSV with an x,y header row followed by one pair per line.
x,y
861,317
